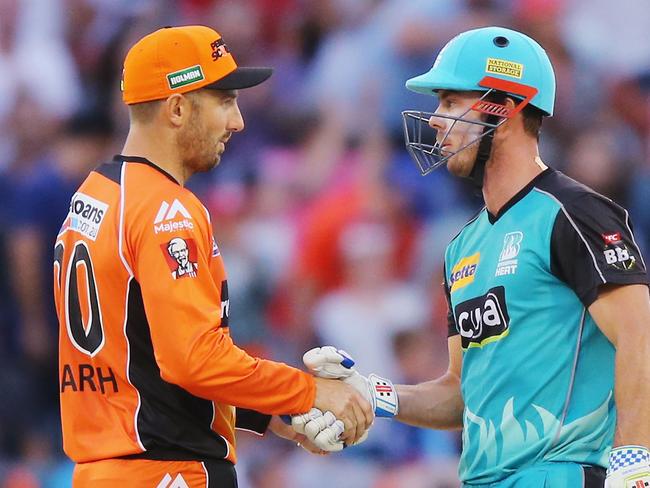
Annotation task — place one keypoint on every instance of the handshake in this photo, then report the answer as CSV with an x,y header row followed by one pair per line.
x,y
338,424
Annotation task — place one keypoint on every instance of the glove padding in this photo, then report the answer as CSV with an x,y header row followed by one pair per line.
x,y
324,430
629,467
332,363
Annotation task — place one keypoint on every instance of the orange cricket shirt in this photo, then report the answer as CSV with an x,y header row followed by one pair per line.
x,y
146,362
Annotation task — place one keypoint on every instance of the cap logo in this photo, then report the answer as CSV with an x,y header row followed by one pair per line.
x,y
219,49
504,68
185,76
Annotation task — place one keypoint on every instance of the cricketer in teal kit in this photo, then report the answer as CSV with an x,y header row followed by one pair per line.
x,y
548,304
538,375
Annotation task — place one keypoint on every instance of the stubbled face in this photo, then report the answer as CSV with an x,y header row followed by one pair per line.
x,y
214,117
452,134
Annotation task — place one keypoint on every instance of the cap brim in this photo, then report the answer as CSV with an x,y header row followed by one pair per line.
x,y
241,78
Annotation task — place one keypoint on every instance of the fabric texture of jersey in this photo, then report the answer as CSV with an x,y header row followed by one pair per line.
x,y
147,366
519,285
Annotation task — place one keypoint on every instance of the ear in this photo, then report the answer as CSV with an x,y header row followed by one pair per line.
x,y
509,125
177,110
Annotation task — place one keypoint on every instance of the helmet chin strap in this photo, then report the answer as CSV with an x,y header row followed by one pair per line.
x,y
483,154
484,149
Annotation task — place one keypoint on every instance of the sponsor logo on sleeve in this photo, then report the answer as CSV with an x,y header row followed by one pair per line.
x,y
616,252
181,257
172,218
483,319
85,215
508,262
462,274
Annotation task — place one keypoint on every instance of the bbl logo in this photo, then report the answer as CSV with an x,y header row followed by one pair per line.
x,y
483,319
616,253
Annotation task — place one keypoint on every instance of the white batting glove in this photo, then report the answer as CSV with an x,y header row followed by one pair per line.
x,y
324,430
629,467
329,362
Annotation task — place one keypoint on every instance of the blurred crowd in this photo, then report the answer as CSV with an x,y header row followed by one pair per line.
x,y
328,232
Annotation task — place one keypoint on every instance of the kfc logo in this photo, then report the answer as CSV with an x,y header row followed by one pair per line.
x,y
612,238
181,257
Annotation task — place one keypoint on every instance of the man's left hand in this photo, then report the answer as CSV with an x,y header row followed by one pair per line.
x,y
281,429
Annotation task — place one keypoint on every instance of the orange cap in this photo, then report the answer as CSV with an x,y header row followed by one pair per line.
x,y
182,59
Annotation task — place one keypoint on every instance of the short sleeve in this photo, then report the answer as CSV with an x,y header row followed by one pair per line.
x,y
593,244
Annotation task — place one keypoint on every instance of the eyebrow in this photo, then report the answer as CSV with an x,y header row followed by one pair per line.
x,y
229,93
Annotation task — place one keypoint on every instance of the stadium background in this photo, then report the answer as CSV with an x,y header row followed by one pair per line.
x,y
328,232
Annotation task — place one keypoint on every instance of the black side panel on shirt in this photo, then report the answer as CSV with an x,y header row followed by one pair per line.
x,y
252,420
592,242
452,330
170,419
594,476
221,474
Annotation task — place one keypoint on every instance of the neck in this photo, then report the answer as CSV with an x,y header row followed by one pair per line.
x,y
507,173
158,148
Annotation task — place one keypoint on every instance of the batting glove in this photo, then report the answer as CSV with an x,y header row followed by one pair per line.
x,y
324,430
329,362
629,467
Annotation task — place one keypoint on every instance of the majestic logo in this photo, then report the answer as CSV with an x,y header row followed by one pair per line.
x,y
181,257
507,259
185,76
616,252
169,482
85,216
505,68
219,49
164,221
483,319
463,273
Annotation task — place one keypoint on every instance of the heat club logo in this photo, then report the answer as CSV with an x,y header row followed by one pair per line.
x,y
508,262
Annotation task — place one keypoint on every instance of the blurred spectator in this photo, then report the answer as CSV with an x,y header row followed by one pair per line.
x,y
38,205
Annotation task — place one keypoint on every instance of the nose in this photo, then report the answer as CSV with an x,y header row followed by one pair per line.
x,y
437,123
235,121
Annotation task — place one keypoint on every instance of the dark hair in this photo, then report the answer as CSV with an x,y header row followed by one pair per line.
x,y
533,118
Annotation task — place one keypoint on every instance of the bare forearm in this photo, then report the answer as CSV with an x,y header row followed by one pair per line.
x,y
436,404
632,390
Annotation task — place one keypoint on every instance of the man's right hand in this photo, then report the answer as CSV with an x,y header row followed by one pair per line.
x,y
347,405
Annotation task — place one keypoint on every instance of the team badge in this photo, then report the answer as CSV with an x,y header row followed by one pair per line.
x,y
181,257
508,262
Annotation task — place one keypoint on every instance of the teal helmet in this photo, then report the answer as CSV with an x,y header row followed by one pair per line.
x,y
491,51
494,60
